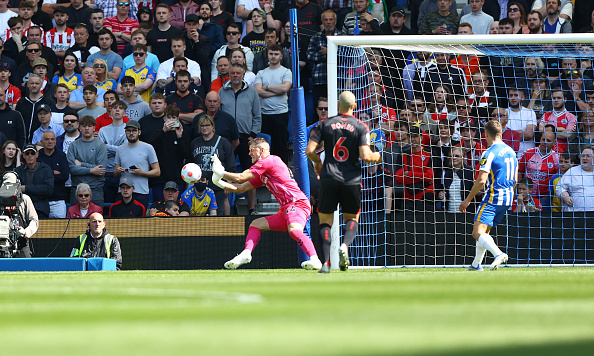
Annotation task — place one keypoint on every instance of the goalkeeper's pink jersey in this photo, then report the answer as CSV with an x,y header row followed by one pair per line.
x,y
274,173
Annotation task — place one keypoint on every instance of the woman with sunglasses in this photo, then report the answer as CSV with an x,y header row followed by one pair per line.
x,y
10,156
515,11
85,207
69,72
455,182
103,82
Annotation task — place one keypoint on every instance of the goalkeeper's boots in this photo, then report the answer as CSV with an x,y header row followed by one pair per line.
x,y
314,263
244,257
325,268
472,268
343,254
502,258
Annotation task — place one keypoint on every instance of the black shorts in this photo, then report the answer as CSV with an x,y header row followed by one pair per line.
x,y
349,197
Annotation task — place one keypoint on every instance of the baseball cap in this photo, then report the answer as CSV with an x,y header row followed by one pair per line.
x,y
40,62
43,107
192,17
397,9
133,123
414,130
29,147
170,185
126,181
61,9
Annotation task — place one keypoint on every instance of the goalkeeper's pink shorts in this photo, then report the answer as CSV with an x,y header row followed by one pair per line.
x,y
298,212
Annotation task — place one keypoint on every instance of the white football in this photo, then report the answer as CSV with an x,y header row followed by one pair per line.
x,y
191,173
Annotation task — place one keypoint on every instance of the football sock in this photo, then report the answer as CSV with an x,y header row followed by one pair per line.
x,y
480,254
304,242
326,240
350,232
252,239
486,241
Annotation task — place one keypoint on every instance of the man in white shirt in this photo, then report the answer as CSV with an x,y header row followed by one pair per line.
x,y
480,21
576,187
5,14
165,72
521,119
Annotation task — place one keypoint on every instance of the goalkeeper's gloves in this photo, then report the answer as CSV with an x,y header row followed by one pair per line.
x,y
217,166
217,180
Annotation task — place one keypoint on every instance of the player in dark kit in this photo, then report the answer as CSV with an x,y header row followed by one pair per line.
x,y
340,174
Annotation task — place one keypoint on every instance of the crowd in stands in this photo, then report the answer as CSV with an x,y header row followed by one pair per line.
x,y
102,102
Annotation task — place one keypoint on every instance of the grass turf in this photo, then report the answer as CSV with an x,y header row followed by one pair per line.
x,y
538,311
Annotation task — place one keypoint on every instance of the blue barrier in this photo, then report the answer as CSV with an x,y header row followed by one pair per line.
x,y
101,264
57,264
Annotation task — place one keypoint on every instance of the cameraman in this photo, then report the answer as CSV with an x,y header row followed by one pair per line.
x,y
26,216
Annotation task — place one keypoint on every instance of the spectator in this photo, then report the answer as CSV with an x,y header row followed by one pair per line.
x,y
443,106
521,119
136,106
576,187
420,8
44,116
237,56
566,7
109,98
188,103
540,95
78,12
35,35
113,136
11,122
159,38
103,82
585,135
554,23
414,74
416,175
153,122
455,181
180,64
40,67
70,122
87,159
223,65
225,125
97,24
171,208
172,146
57,161
33,51
352,21
201,151
565,123
565,164
138,37
509,137
29,104
254,39
111,8
121,25
81,49
261,58
525,202
242,102
37,180
197,48
396,23
233,35
224,18
209,28
12,93
90,97
85,207
539,164
481,96
242,12
445,74
165,72
5,15
316,54
77,100
141,162
441,22
114,61
60,38
473,149
170,194
69,72
127,207
10,156
201,198
143,76
515,11
535,22
62,96
180,12
14,40
463,115
480,21
494,29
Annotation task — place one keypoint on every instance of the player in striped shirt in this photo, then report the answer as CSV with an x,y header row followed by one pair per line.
x,y
13,94
499,171
60,38
564,121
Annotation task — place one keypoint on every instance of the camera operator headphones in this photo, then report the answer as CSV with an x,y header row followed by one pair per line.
x,y
11,177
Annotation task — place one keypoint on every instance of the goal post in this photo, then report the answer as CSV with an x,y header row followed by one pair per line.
x,y
416,235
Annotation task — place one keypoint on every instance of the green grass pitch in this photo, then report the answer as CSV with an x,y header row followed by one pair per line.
x,y
513,311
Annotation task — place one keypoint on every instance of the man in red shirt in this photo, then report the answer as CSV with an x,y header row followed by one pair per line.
x,y
564,121
109,98
540,164
473,149
121,25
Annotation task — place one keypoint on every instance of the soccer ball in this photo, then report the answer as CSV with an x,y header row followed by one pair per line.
x,y
191,173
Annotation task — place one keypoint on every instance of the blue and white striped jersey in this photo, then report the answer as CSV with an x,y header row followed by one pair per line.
x,y
501,163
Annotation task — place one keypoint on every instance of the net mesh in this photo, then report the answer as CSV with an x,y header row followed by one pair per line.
x,y
409,214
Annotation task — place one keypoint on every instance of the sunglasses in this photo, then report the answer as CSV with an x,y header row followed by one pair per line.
x,y
572,71
98,65
513,9
232,33
323,108
33,50
123,4
84,195
461,107
70,121
29,153
139,54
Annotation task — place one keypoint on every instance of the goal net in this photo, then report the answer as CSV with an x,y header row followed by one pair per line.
x,y
426,100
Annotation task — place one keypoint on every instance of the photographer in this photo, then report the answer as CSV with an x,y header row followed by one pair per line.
x,y
24,212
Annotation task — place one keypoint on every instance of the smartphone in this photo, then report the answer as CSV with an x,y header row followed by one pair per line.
x,y
133,167
175,124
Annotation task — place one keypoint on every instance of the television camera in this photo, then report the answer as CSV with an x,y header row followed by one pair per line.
x,y
11,221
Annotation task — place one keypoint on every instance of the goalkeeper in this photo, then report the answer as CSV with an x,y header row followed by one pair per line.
x,y
295,209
